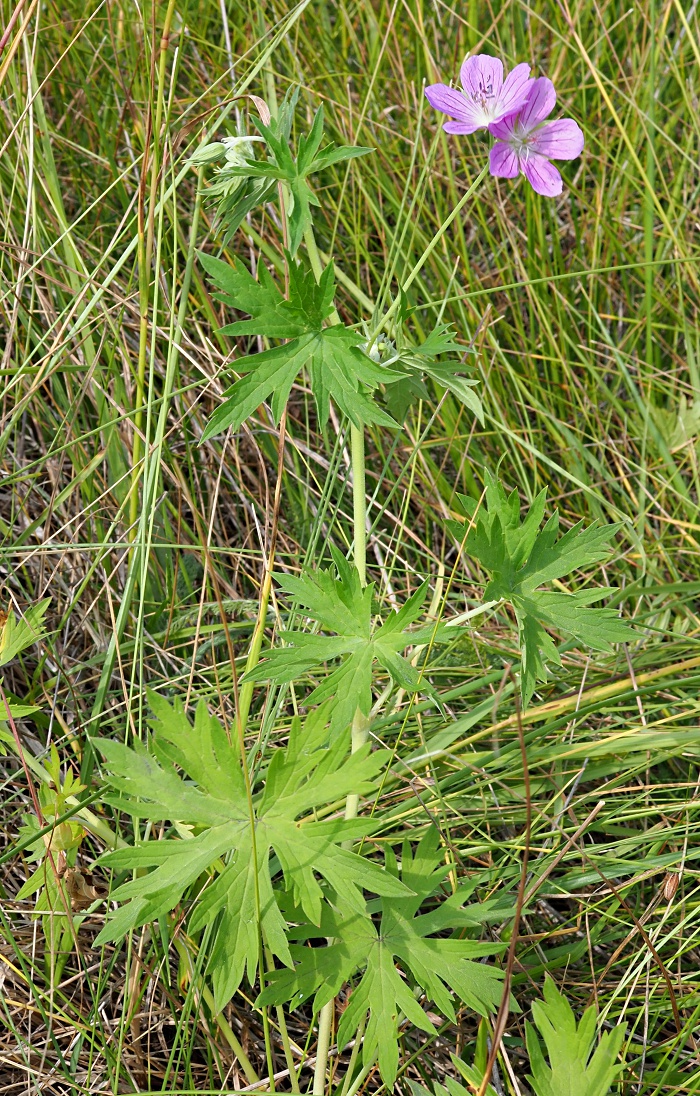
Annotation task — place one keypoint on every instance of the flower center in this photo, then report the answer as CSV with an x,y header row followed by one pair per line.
x,y
484,94
522,142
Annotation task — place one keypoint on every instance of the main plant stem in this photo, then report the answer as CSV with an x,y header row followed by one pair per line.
x,y
357,448
360,723
245,695
359,508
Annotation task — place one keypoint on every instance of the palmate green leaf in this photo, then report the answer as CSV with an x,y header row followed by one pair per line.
x,y
403,941
273,373
288,846
260,298
338,369
575,1067
339,603
521,557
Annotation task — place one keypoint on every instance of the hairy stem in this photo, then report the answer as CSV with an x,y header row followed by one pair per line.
x,y
360,723
325,1023
357,446
246,690
359,510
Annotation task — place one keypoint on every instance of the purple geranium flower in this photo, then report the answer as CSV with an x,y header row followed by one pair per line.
x,y
525,142
486,97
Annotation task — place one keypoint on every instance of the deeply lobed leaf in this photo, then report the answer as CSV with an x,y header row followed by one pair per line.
x,y
339,603
444,968
240,870
575,1067
521,557
338,368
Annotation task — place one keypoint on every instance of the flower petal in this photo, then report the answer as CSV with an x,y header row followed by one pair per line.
x,y
503,161
559,140
539,105
462,127
482,76
504,129
452,102
515,91
543,177
448,100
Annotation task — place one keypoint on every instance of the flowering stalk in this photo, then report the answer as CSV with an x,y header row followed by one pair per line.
x,y
245,697
360,723
357,446
359,509
394,306
507,97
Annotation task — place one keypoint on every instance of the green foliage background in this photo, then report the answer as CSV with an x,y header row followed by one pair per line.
x,y
583,314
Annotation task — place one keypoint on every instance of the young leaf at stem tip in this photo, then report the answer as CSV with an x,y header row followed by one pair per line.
x,y
443,967
340,604
294,171
242,183
236,195
243,871
520,558
338,368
